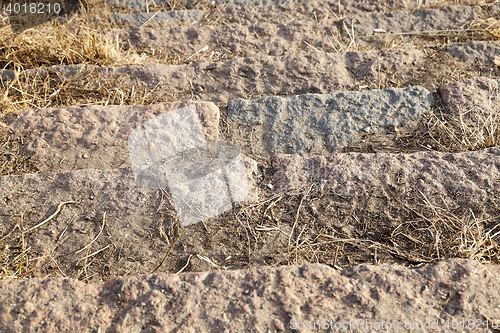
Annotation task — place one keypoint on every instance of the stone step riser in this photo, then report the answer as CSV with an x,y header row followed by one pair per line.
x,y
287,75
157,19
321,124
469,179
271,39
95,137
284,291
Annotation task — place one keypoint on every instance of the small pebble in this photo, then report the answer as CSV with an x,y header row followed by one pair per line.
x,y
87,217
92,197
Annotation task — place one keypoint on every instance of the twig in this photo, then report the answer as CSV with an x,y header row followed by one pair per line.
x,y
94,253
169,248
22,246
297,215
210,261
186,265
52,216
200,50
149,19
248,237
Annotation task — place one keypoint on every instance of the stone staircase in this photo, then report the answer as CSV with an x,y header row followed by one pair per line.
x,y
313,125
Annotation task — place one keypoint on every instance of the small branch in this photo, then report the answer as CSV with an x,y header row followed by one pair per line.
x,y
58,210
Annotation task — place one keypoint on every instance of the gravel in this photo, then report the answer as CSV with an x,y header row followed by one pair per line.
x,y
318,124
262,299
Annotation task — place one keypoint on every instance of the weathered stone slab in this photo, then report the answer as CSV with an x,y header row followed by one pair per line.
x,y
317,10
94,137
367,24
322,124
494,9
250,41
484,51
138,6
288,75
226,301
468,178
67,71
157,19
476,99
7,75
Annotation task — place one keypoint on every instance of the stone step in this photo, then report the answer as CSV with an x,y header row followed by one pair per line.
x,y
482,52
96,137
287,75
468,179
66,71
138,6
315,124
249,41
157,19
263,38
271,12
421,21
295,74
315,72
195,301
476,99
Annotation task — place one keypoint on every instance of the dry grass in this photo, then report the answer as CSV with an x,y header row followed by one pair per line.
x,y
427,232
77,41
452,134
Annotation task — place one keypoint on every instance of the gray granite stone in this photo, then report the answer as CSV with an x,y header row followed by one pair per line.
x,y
484,51
366,24
158,19
318,124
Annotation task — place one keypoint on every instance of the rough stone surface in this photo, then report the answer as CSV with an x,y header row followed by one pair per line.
x,y
436,174
477,99
157,19
94,137
250,41
68,71
138,6
321,124
495,8
261,299
418,21
7,75
287,75
484,52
